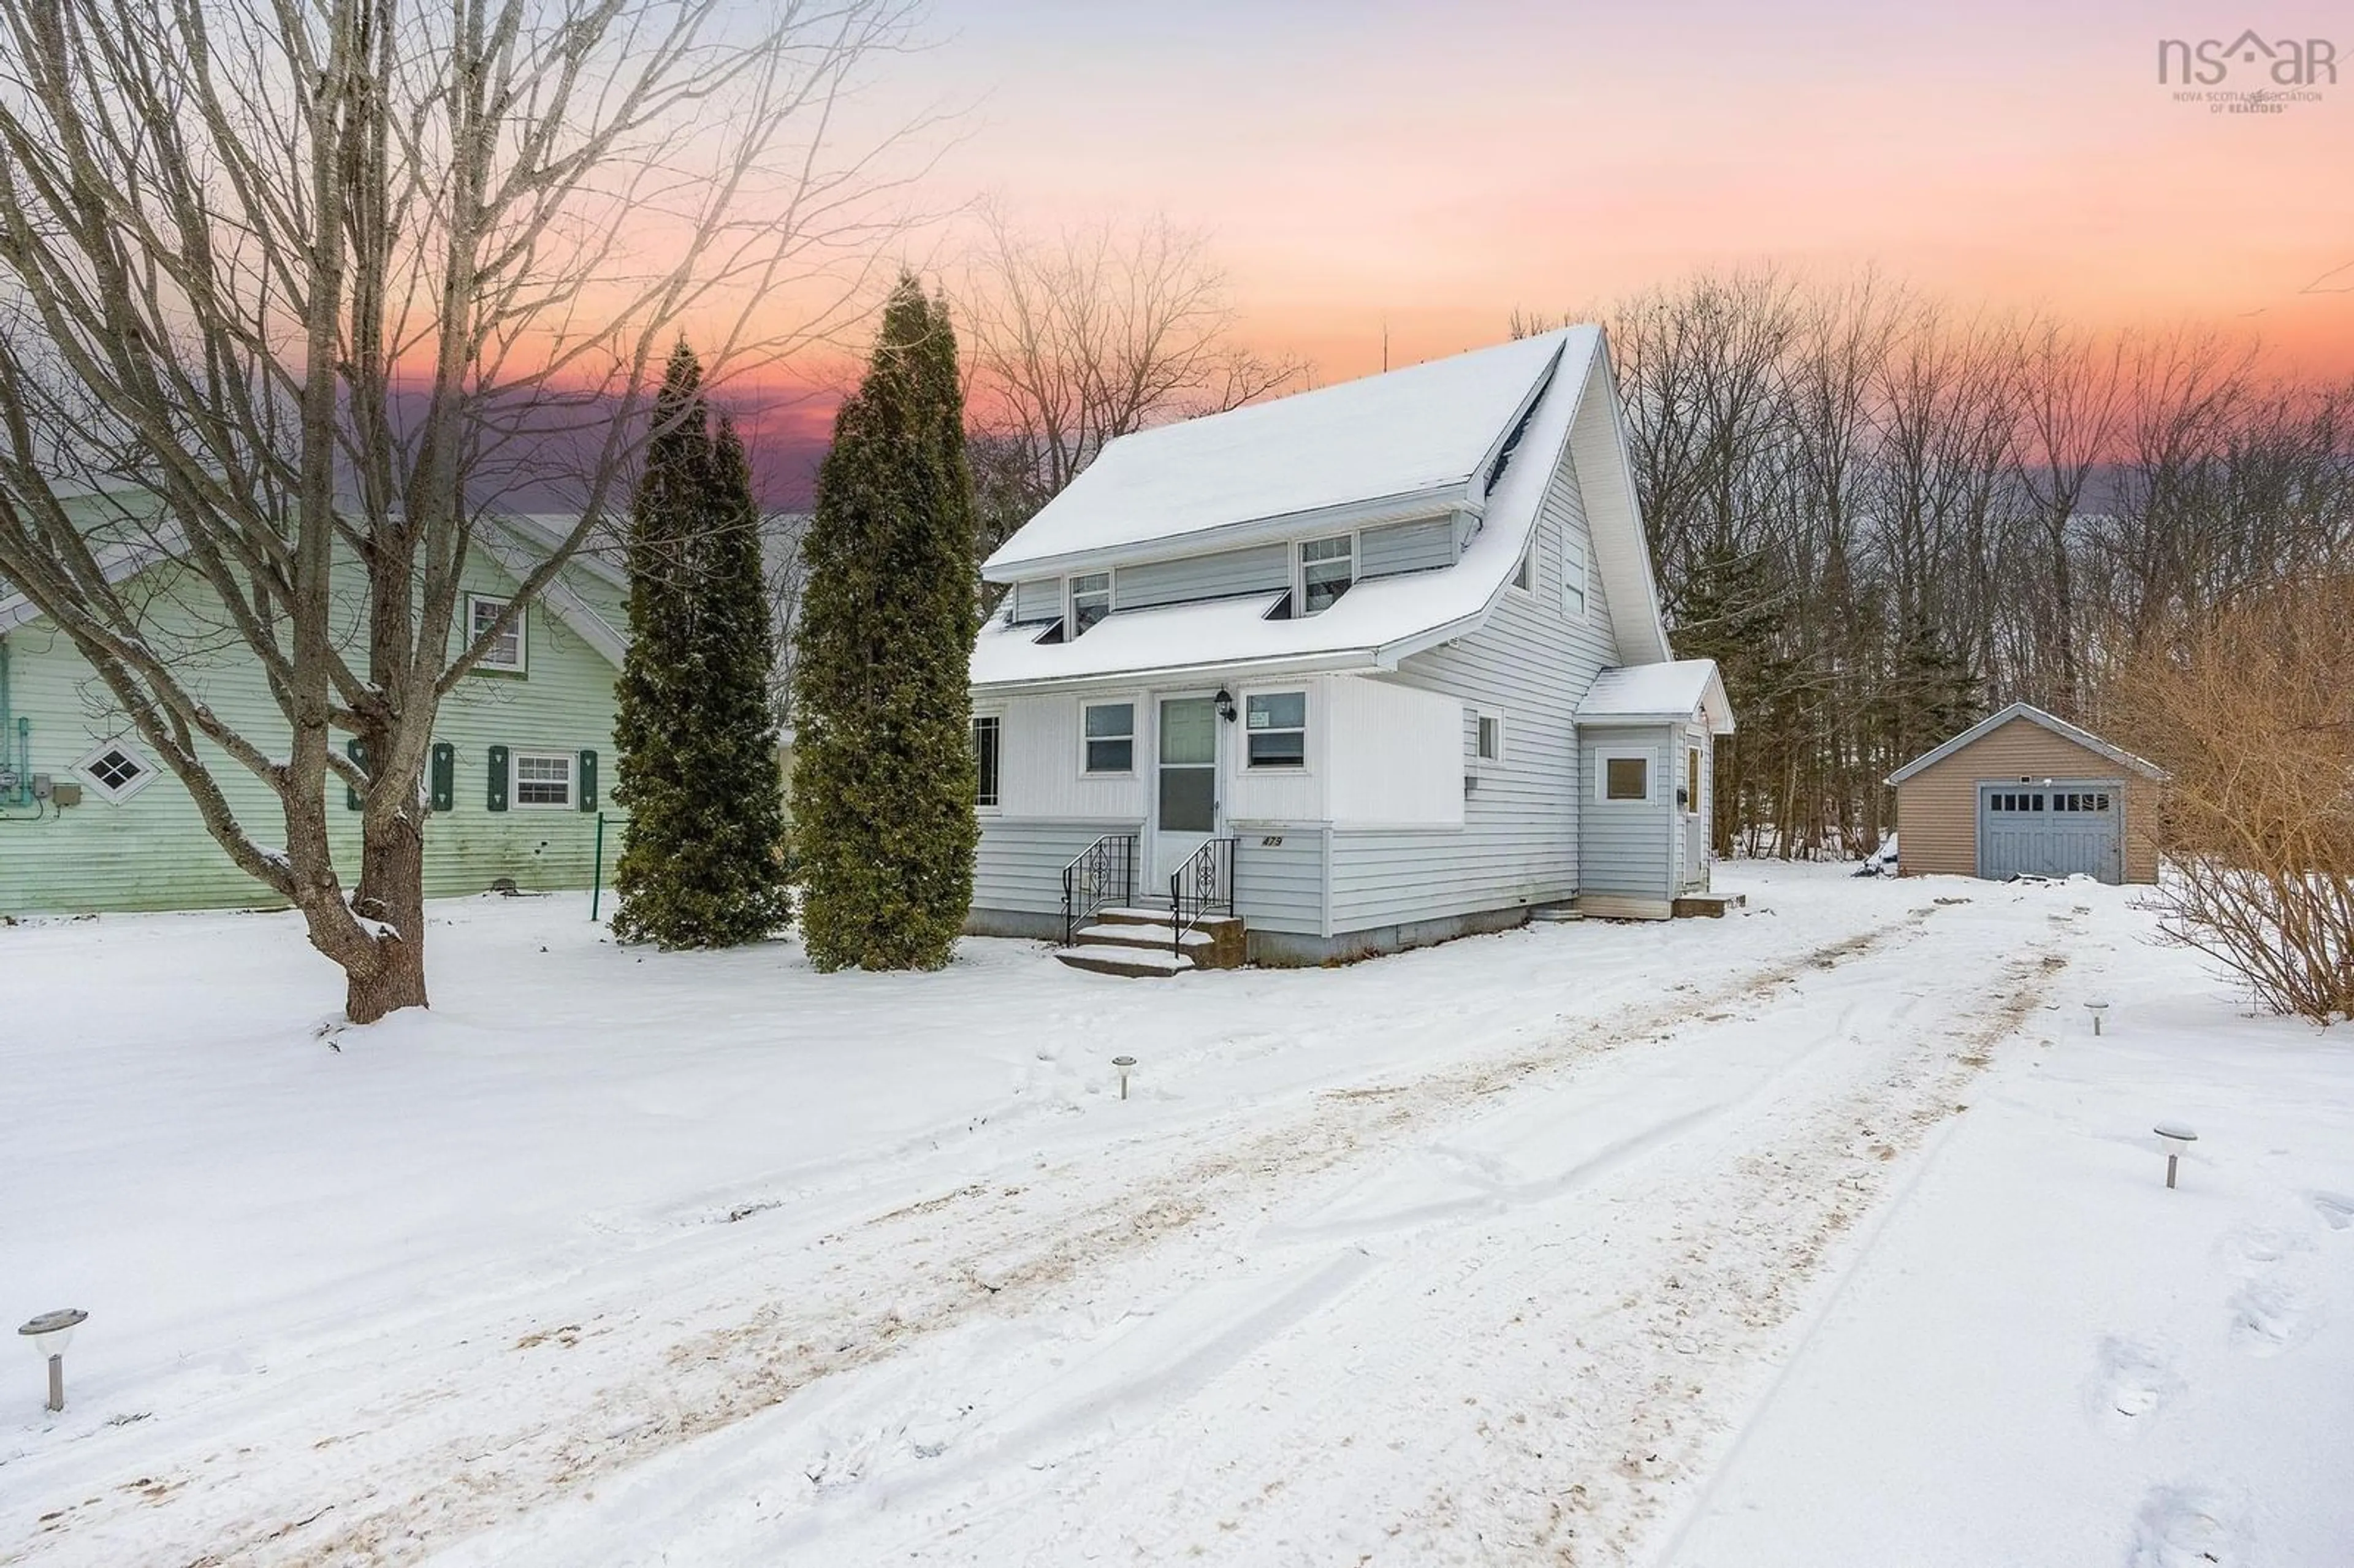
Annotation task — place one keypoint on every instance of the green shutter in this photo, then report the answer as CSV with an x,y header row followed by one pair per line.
x,y
588,780
498,797
358,754
445,776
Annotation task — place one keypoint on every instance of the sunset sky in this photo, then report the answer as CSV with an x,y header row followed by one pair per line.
x,y
1427,167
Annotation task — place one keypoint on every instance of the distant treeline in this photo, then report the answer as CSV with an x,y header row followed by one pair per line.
x,y
1884,518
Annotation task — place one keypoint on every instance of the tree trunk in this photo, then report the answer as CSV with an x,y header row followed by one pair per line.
x,y
391,891
396,980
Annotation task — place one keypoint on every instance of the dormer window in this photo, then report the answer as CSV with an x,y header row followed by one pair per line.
x,y
1327,569
1090,601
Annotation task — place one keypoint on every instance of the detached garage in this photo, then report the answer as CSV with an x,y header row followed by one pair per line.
x,y
2025,793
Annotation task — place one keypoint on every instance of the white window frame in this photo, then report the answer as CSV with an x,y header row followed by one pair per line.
x,y
1299,568
992,807
148,773
1481,717
1524,576
1306,731
522,664
1606,755
1071,593
571,760
1134,706
1694,766
1575,578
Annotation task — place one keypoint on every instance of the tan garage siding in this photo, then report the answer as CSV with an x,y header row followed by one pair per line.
x,y
1938,807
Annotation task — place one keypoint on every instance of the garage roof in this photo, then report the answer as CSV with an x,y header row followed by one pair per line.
x,y
2033,714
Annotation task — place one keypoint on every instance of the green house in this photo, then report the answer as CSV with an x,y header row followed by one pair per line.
x,y
89,821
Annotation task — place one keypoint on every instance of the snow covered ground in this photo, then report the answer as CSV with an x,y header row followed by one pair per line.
x,y
1827,1233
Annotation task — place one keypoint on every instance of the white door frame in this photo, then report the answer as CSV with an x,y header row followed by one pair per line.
x,y
1154,882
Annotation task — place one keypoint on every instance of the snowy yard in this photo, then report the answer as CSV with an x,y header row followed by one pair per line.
x,y
1824,1234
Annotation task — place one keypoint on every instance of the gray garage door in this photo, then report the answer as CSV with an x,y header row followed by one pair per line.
x,y
2054,829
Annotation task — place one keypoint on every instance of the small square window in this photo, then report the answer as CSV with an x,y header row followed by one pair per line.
x,y
507,653
1277,723
1626,777
116,770
1110,738
542,779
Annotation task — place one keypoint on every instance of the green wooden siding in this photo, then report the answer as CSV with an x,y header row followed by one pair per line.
x,y
150,851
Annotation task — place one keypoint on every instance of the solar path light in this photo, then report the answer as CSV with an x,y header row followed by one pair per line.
x,y
2177,1140
1123,1063
2096,1009
49,1334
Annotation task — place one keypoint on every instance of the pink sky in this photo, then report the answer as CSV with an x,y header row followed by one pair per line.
x,y
1428,167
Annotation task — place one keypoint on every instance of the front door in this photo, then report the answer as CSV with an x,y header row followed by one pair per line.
x,y
1694,795
1186,786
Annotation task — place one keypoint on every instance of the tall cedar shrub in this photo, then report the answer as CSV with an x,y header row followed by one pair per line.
x,y
702,856
883,762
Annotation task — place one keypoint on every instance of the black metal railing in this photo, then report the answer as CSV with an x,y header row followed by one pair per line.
x,y
1203,887
1103,874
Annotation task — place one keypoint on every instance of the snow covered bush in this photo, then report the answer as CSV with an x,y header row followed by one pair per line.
x,y
2250,712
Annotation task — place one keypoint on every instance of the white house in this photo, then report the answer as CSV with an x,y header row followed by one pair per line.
x,y
1362,668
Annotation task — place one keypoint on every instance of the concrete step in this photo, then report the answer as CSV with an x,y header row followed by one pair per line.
x,y
1139,934
1135,963
1707,906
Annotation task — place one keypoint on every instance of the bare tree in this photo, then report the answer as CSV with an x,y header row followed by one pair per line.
x,y
2245,705
1079,340
2071,403
292,290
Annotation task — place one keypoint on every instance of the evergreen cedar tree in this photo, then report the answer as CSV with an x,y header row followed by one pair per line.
x,y
883,761
703,854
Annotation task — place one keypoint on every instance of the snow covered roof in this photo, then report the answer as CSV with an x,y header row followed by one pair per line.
x,y
1658,693
2035,715
517,550
1413,433
1378,622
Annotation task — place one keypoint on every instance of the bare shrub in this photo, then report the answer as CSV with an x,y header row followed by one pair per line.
x,y
2252,711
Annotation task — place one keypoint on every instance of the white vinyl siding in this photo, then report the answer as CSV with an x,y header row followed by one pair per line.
x,y
1517,844
1222,574
1400,547
1037,601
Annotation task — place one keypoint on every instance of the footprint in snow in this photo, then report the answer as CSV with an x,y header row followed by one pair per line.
x,y
2185,1527
2130,1384
2271,1316
2337,1211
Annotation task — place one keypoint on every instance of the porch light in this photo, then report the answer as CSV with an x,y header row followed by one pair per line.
x,y
2096,1009
49,1334
2177,1140
1123,1063
1225,701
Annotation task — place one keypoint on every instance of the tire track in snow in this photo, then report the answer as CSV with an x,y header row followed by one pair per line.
x,y
444,1461
1542,1392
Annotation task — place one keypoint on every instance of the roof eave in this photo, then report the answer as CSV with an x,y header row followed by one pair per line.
x,y
1340,660
1441,499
